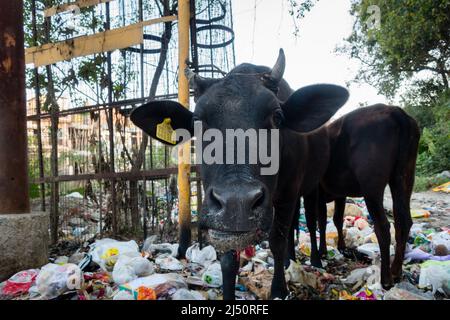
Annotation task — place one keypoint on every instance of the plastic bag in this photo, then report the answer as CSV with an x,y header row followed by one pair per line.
x,y
54,280
123,295
441,238
130,266
163,248
148,242
167,262
164,284
406,291
204,256
185,294
213,275
20,283
353,237
435,274
372,249
105,252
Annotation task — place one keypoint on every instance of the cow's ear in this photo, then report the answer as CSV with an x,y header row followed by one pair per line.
x,y
160,118
310,107
198,83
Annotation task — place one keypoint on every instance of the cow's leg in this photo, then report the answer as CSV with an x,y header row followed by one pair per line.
x,y
322,217
402,222
311,205
381,225
338,219
278,245
293,229
229,263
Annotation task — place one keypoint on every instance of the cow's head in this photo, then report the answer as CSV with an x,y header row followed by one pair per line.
x,y
238,196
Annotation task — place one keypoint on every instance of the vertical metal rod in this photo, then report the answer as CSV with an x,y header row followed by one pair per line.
x,y
14,196
199,210
99,163
184,214
194,47
232,44
37,93
210,40
111,130
144,182
54,111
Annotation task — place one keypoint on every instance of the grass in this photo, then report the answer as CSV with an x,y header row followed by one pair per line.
x,y
425,183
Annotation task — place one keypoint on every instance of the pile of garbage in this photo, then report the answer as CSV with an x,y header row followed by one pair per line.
x,y
109,269
356,272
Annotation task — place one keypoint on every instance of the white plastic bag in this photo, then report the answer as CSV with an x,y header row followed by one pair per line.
x,y
185,294
435,274
373,249
163,248
441,238
105,252
123,295
130,266
167,262
203,257
213,275
54,280
173,280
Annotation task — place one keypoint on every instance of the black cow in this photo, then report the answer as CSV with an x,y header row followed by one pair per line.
x,y
370,148
242,205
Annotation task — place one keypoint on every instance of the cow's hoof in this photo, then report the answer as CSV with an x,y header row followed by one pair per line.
x,y
323,253
397,278
316,263
387,286
287,263
397,272
279,293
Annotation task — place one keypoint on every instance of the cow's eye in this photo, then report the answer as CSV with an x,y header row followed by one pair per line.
x,y
278,118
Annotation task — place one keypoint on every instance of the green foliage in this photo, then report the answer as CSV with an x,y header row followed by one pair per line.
x,y
423,183
298,10
407,53
413,37
434,146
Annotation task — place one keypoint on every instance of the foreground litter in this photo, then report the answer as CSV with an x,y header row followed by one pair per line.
x,y
109,269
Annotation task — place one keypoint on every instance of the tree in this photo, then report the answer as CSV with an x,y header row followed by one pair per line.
x,y
407,53
410,45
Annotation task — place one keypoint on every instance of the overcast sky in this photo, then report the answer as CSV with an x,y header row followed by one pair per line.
x,y
311,57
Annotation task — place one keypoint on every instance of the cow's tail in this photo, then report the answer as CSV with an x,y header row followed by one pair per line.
x,y
405,165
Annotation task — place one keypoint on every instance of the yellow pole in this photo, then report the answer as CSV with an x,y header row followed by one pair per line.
x,y
184,211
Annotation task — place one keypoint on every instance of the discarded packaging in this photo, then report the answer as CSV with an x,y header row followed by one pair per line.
x,y
185,294
20,283
435,274
54,280
213,275
106,251
130,266
203,257
167,262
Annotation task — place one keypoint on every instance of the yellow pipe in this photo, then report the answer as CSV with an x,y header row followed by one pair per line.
x,y
184,210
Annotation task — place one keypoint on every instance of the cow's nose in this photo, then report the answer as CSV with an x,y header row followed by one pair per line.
x,y
245,199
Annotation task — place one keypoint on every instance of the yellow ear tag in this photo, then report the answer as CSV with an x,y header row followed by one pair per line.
x,y
165,132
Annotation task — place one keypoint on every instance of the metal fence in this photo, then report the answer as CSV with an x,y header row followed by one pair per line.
x,y
84,153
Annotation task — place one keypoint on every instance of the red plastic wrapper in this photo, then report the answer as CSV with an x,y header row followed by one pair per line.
x,y
20,283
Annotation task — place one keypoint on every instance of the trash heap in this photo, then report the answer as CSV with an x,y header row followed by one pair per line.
x,y
356,272
109,269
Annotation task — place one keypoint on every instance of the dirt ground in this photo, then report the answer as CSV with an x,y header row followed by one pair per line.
x,y
438,203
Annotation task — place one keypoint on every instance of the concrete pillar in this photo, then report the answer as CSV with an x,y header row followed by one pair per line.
x,y
23,235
